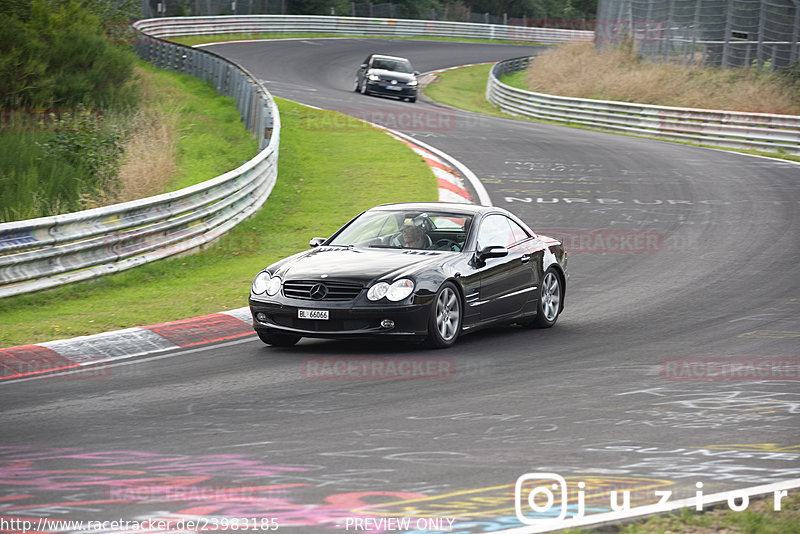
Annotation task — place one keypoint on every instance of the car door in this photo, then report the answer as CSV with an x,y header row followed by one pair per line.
x,y
506,283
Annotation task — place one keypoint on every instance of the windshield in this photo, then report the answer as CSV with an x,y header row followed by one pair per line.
x,y
394,65
425,230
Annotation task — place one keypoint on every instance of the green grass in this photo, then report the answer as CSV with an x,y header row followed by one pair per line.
x,y
515,79
33,185
327,175
463,88
212,138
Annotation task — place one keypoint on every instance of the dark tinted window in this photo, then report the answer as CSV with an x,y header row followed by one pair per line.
x,y
391,64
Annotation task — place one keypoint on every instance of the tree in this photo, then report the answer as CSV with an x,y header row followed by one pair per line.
x,y
23,63
59,57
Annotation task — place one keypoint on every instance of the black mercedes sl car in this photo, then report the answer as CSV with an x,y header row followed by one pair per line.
x,y
387,76
424,271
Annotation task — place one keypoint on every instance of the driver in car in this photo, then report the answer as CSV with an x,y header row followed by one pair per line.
x,y
413,236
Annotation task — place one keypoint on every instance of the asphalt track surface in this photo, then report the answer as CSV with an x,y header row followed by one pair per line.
x,y
678,255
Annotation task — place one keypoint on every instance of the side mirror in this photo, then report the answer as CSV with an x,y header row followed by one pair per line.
x,y
363,65
416,73
317,241
492,251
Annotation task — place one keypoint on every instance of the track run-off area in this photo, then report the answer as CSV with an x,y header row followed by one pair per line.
x,y
674,367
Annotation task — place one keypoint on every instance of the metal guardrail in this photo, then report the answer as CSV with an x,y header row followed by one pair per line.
x,y
731,129
42,253
251,24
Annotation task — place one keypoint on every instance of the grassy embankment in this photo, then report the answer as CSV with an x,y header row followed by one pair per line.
x,y
180,133
327,167
187,134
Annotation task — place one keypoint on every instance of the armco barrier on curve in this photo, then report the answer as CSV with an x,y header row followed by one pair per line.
x,y
760,131
47,252
252,24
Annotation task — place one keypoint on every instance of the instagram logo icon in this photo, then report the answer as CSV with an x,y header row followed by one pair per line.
x,y
541,499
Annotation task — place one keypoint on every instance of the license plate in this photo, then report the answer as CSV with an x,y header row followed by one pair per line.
x,y
394,88
319,315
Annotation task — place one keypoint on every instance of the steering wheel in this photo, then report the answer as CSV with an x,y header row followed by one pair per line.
x,y
447,244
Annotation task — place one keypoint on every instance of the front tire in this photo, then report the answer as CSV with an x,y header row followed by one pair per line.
x,y
444,324
548,307
277,339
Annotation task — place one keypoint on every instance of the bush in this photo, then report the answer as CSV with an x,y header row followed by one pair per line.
x,y
60,58
81,141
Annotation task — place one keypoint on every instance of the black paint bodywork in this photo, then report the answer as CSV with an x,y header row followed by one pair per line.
x,y
493,290
389,83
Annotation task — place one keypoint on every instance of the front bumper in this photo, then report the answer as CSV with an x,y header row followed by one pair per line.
x,y
386,88
345,319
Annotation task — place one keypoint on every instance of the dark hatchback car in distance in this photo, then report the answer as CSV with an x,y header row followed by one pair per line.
x,y
424,271
388,76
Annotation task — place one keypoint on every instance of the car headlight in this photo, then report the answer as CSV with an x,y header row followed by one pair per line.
x,y
274,285
378,291
394,292
373,77
265,283
412,82
261,282
400,290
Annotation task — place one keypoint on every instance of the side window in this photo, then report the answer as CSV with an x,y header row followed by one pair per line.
x,y
368,61
495,230
519,232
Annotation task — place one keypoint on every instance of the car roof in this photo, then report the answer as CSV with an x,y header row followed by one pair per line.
x,y
383,56
470,209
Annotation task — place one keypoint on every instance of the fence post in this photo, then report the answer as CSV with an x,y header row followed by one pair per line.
x,y
727,37
762,16
794,50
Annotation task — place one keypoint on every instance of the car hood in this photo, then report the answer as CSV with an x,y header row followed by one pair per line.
x,y
353,264
393,75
